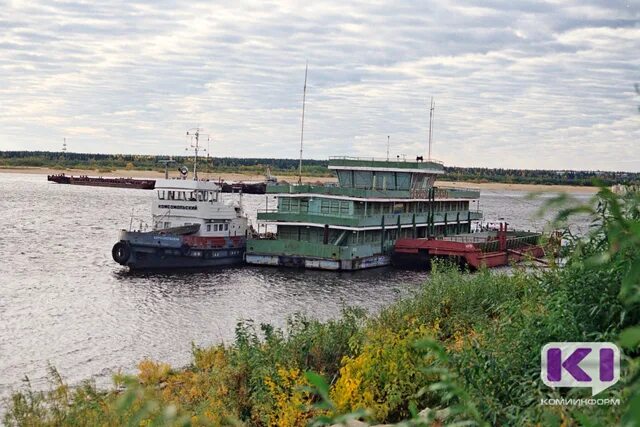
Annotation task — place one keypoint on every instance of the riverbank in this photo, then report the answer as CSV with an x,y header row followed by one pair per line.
x,y
226,176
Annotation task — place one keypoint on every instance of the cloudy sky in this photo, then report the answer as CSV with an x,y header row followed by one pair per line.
x,y
516,83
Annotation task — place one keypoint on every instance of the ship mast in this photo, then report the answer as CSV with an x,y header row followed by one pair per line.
x,y
196,133
433,106
304,98
388,137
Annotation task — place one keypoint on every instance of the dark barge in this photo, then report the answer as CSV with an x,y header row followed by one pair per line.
x,y
143,184
243,187
149,184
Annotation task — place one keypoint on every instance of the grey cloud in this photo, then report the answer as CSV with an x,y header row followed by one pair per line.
x,y
508,77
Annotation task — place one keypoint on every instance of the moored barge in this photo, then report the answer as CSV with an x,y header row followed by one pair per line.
x,y
142,184
488,248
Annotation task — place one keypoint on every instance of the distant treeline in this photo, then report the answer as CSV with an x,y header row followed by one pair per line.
x,y
540,176
109,162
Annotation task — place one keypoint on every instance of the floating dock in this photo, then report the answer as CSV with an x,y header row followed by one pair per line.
x,y
491,248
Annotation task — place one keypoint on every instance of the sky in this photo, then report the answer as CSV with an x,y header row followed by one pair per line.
x,y
516,84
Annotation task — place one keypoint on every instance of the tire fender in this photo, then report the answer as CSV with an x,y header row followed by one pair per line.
x,y
121,252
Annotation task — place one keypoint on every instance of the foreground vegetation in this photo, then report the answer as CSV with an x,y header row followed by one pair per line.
x,y
106,163
464,349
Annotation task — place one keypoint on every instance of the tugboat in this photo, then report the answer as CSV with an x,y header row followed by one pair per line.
x,y
192,228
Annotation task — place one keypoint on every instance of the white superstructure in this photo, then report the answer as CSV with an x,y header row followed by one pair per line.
x,y
181,202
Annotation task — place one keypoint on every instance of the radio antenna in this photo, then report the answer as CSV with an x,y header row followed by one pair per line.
x,y
304,98
196,133
388,147
431,113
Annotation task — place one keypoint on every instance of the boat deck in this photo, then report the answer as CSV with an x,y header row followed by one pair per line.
x,y
485,248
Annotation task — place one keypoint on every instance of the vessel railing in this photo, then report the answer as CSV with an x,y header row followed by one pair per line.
x,y
451,215
384,159
368,192
492,243
458,188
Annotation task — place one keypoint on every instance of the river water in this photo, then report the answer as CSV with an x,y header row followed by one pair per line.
x,y
64,302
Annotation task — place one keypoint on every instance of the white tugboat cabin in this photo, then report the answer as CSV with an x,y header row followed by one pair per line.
x,y
181,203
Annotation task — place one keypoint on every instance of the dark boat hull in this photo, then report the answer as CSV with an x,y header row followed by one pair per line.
x,y
144,259
141,184
244,187
153,250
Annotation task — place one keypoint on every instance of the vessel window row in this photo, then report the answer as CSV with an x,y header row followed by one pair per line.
x,y
190,196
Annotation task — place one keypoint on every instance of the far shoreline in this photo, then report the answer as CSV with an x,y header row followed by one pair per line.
x,y
230,176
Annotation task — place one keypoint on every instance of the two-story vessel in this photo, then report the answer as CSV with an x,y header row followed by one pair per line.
x,y
355,224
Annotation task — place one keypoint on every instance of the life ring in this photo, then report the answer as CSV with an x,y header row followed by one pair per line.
x,y
121,252
185,250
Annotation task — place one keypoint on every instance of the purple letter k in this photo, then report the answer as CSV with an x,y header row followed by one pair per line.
x,y
554,364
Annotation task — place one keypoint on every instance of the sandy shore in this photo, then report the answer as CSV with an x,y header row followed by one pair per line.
x,y
496,186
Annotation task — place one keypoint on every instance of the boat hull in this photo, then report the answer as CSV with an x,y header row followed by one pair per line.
x,y
486,249
152,251
319,263
140,184
143,259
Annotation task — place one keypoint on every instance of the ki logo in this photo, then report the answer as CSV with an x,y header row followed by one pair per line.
x,y
595,365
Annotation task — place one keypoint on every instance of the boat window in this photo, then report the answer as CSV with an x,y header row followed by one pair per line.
x,y
167,225
325,206
344,208
208,227
226,227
